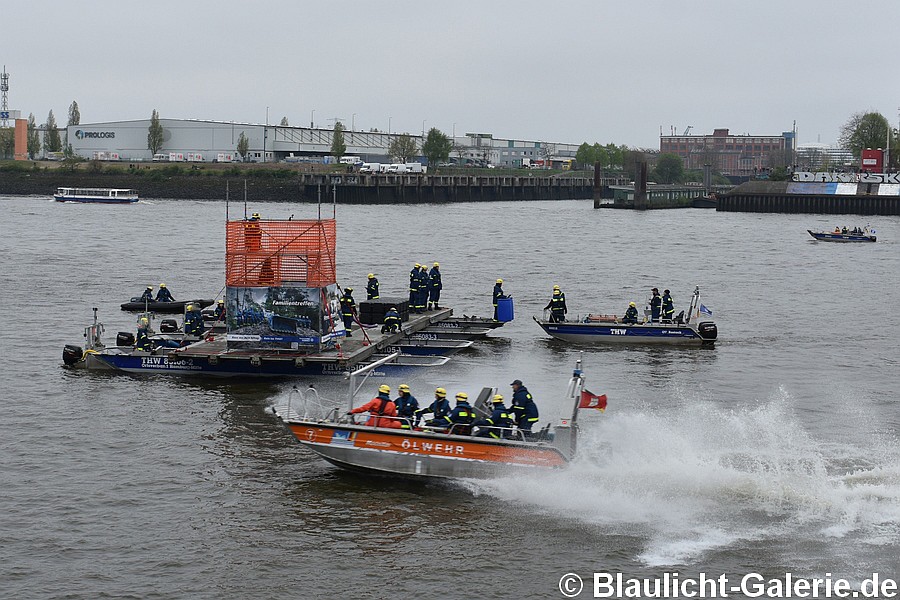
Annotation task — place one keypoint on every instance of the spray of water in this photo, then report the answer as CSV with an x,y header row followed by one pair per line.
x,y
704,478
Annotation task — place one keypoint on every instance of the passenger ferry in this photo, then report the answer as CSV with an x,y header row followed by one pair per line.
x,y
101,195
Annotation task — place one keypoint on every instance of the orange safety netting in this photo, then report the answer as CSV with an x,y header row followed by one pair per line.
x,y
272,253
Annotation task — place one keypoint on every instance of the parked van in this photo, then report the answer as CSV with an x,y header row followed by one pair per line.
x,y
397,168
350,160
160,157
416,168
370,168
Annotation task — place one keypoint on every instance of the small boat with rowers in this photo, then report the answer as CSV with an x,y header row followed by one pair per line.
x,y
844,235
96,195
432,453
609,329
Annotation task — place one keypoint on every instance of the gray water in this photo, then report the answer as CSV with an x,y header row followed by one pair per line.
x,y
775,451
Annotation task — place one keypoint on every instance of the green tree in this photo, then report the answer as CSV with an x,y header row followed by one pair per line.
x,y
338,147
74,114
34,138
437,147
155,134
7,143
669,168
615,155
585,155
402,148
52,143
864,130
243,146
284,122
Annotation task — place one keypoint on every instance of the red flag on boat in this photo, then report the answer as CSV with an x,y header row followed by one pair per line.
x,y
589,400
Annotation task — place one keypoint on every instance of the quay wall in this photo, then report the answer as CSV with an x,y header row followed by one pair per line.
x,y
775,197
308,187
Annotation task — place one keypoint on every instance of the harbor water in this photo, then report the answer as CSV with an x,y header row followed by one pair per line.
x,y
775,451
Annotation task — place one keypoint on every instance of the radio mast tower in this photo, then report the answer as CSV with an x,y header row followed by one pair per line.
x,y
4,104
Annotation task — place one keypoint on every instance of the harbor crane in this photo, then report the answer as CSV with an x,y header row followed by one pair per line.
x,y
687,129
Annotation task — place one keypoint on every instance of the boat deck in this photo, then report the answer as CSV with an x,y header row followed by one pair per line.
x,y
350,351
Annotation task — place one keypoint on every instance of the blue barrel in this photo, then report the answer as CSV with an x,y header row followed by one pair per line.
x,y
505,309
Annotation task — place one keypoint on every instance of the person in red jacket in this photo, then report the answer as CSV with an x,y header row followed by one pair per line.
x,y
378,407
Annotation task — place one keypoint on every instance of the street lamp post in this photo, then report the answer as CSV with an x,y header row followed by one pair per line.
x,y
353,122
312,115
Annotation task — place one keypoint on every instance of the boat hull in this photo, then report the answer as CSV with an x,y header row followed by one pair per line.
x,y
824,236
422,454
164,307
702,334
97,200
464,322
169,363
436,332
430,347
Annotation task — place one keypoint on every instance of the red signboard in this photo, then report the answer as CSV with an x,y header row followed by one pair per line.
x,y
872,161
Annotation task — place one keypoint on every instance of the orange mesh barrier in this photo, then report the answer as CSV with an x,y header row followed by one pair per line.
x,y
274,253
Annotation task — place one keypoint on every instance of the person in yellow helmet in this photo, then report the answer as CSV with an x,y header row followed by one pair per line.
x,y
414,287
164,295
631,315
498,294
498,424
439,409
372,287
557,306
407,405
460,419
143,335
382,411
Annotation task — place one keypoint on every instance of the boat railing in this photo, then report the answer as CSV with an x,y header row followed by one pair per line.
x,y
308,406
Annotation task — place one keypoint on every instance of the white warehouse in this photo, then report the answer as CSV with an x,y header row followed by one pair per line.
x,y
208,141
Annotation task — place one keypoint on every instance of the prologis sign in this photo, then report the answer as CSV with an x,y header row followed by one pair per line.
x,y
807,177
86,135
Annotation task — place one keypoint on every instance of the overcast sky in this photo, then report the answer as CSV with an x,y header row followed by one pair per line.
x,y
596,71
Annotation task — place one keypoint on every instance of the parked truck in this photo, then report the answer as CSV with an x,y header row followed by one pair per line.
x,y
370,168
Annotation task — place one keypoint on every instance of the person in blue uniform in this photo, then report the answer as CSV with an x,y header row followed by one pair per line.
x,y
391,321
460,419
414,287
164,295
422,281
142,341
348,309
439,409
655,306
147,296
434,287
557,306
668,306
407,405
372,287
525,412
193,320
219,313
499,421
498,295
631,315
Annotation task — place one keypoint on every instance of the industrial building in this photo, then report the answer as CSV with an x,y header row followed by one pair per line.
x,y
729,154
209,141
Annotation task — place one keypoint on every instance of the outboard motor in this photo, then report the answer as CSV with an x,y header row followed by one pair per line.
x,y
707,330
72,354
125,338
168,326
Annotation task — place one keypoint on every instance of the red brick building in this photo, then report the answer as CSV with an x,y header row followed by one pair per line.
x,y
741,155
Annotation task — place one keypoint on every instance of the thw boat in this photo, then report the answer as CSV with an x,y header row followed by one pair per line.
x,y
99,195
601,329
866,235
426,453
